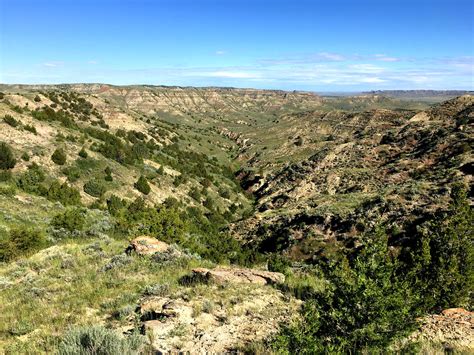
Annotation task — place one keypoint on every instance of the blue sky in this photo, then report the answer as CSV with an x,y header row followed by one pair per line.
x,y
337,45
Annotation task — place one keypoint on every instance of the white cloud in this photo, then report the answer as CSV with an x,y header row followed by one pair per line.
x,y
366,68
331,56
92,62
53,64
373,80
317,71
385,58
220,52
232,74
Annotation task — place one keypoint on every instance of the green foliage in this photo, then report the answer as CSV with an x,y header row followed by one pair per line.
x,y
115,148
83,153
25,156
73,173
6,175
10,120
7,159
278,263
179,179
21,242
95,188
63,193
59,156
162,223
108,174
441,264
224,193
72,219
97,340
366,305
142,185
49,115
30,181
37,98
376,297
30,128
115,204
191,230
7,190
195,193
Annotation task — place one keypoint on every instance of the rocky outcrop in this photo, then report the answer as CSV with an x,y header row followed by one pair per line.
x,y
145,245
220,322
453,328
237,275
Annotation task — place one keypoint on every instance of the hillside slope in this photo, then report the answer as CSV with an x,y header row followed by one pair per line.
x,y
266,180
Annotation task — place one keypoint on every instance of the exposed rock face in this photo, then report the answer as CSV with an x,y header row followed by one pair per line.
x,y
238,275
453,328
203,325
145,245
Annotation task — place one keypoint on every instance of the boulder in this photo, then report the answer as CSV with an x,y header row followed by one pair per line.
x,y
145,245
238,275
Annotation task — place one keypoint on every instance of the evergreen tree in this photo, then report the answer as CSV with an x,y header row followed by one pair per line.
x,y
59,156
142,185
7,159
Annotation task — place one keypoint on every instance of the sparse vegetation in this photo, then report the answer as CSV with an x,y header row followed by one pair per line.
x,y
285,186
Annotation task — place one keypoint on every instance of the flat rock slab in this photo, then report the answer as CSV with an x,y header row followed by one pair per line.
x,y
238,275
145,245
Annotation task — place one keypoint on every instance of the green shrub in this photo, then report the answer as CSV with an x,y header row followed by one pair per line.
x,y
73,173
94,188
30,128
441,264
63,193
115,204
59,156
7,190
21,242
97,340
366,305
48,114
72,219
108,174
195,193
37,98
7,159
224,193
142,185
278,263
25,156
10,120
83,153
5,175
31,179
